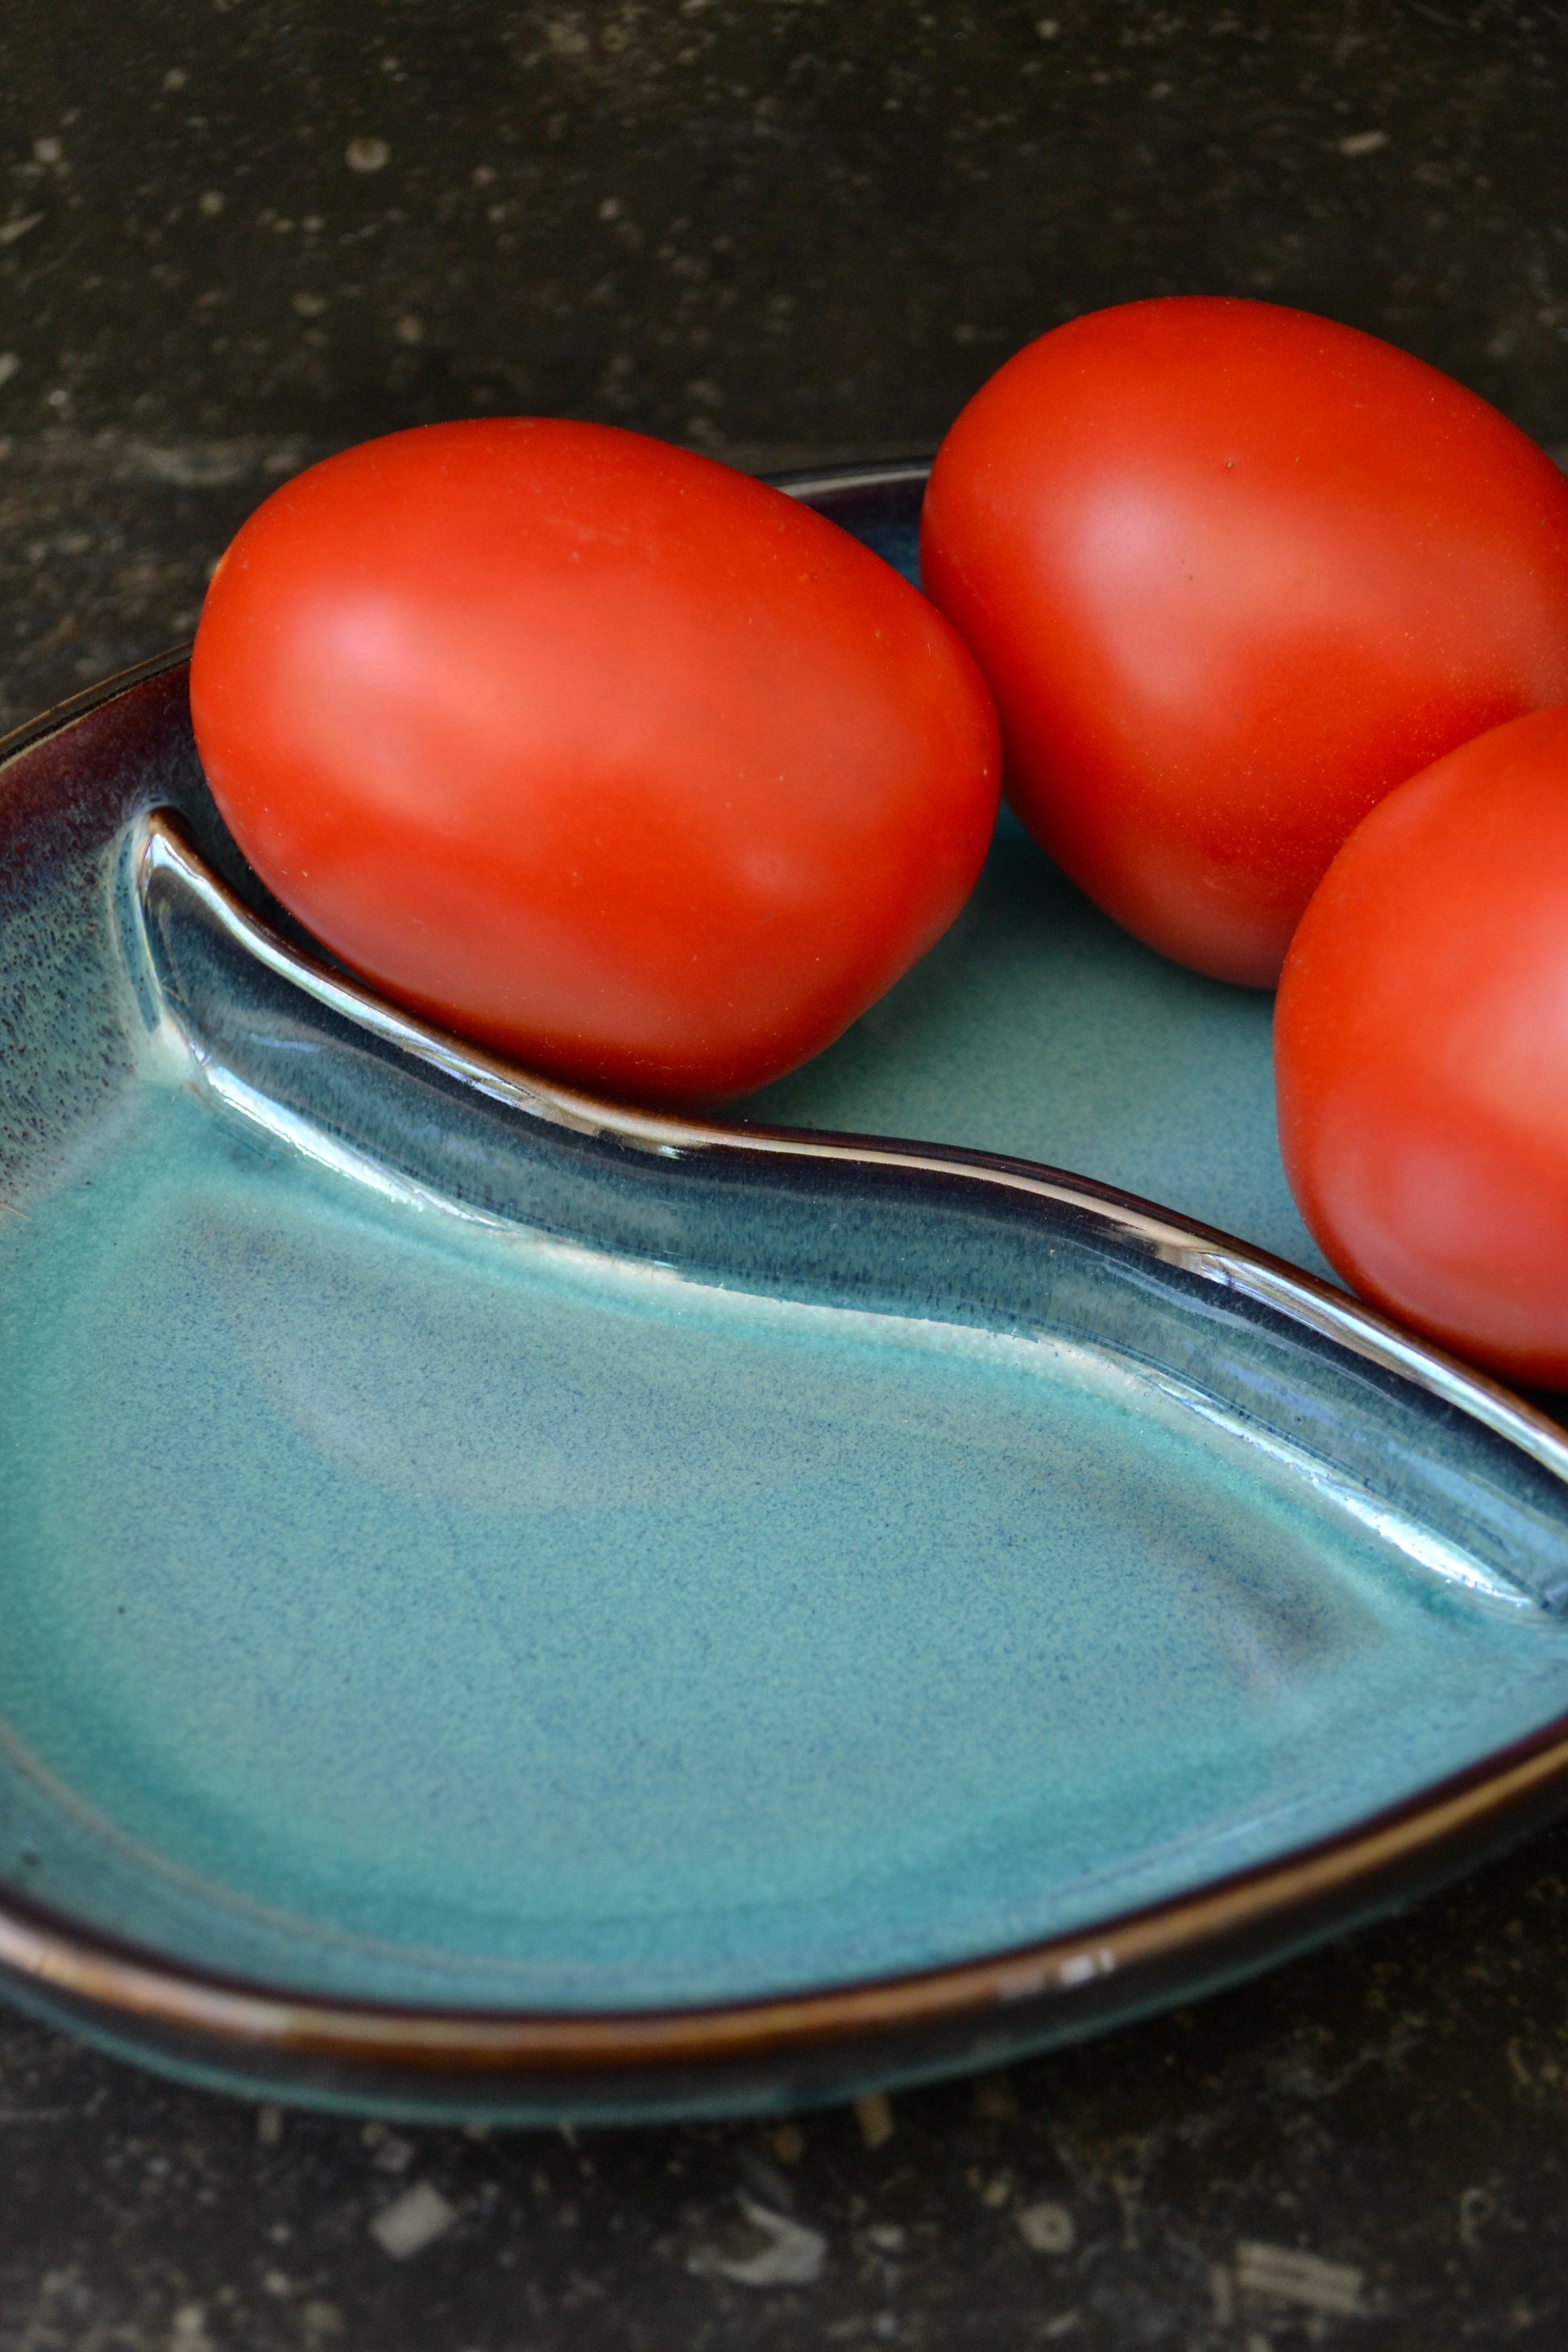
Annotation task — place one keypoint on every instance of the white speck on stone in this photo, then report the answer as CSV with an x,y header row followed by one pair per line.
x,y
270,2125
395,2154
1363,143
792,2257
176,77
888,2237
310,306
610,209
211,202
413,2221
874,2113
1047,28
367,155
188,2332
10,365
1475,2210
1047,2228
1283,2274
408,329
12,229
47,151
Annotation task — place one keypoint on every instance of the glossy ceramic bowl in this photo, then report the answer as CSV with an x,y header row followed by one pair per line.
x,y
518,1607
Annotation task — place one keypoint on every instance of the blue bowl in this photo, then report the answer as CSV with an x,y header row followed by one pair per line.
x,y
517,1607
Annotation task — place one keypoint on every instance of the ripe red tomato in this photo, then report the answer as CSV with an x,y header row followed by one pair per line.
x,y
1233,573
1421,1052
594,750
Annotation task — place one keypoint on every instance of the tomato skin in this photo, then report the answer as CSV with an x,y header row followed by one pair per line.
x,y
1233,573
594,750
1421,1052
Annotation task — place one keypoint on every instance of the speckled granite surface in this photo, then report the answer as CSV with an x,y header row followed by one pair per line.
x,y
234,236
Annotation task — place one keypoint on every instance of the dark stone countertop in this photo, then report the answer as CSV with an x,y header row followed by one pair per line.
x,y
235,236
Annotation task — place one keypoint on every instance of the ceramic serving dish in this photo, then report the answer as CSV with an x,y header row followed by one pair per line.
x,y
514,1607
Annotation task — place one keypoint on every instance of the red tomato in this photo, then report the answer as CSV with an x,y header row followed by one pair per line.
x,y
595,751
1421,1051
1233,573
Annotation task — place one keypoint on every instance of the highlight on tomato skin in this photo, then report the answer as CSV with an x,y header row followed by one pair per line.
x,y
1234,573
593,750
1420,1053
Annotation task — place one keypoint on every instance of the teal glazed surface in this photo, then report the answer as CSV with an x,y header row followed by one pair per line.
x,y
467,1615
460,1550
1038,1028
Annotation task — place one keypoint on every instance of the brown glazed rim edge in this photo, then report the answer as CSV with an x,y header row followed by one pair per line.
x,y
1131,1948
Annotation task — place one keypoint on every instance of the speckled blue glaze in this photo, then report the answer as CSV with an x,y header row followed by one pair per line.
x,y
1038,1028
458,1613
461,1557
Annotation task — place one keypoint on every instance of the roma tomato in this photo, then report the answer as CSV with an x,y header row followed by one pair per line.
x,y
1233,573
593,750
1421,1052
